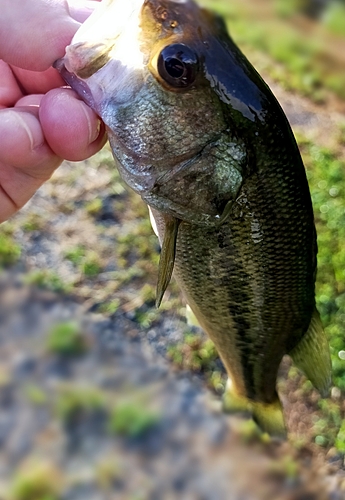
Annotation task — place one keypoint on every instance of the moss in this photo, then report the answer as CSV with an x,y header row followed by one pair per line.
x,y
341,134
88,261
9,250
327,183
36,480
94,206
327,180
140,241
91,264
340,439
195,353
334,17
287,8
66,339
148,294
146,318
131,419
109,307
327,423
33,222
8,228
199,354
75,254
45,278
74,400
35,394
217,381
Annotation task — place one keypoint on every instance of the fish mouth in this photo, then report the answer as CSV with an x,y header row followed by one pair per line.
x,y
78,85
104,54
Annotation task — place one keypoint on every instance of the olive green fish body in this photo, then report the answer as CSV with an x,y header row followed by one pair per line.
x,y
250,281
198,134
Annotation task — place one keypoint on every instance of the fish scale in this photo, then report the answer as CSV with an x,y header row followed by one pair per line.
x,y
198,134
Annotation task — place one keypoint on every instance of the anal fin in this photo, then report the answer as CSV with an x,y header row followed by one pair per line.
x,y
191,318
233,401
312,356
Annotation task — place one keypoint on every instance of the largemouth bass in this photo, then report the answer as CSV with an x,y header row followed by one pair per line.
x,y
198,134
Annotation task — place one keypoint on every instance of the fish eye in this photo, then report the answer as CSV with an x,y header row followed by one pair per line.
x,y
178,65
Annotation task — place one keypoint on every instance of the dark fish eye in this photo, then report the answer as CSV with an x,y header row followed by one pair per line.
x,y
178,65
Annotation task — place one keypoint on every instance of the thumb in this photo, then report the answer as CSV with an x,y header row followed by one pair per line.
x,y
33,34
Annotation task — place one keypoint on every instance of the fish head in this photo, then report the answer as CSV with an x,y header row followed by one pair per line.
x,y
177,98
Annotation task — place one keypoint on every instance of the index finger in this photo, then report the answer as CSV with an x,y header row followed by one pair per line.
x,y
9,89
38,82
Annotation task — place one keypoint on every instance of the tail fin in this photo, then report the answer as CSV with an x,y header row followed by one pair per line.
x,y
312,356
268,416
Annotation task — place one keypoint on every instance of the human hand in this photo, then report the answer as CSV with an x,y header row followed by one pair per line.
x,y
40,123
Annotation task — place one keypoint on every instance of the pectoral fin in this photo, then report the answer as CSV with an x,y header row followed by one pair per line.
x,y
312,356
226,212
167,259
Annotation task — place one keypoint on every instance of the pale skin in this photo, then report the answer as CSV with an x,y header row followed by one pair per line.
x,y
41,123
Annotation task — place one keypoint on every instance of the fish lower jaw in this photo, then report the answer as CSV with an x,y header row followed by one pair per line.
x,y
77,84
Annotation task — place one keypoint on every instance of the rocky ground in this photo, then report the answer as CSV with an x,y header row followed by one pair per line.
x,y
116,421
91,405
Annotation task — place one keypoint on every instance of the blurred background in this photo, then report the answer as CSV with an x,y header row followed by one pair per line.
x,y
102,396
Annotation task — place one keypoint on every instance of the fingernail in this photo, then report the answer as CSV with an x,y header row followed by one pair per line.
x,y
22,124
95,134
80,11
35,142
93,130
